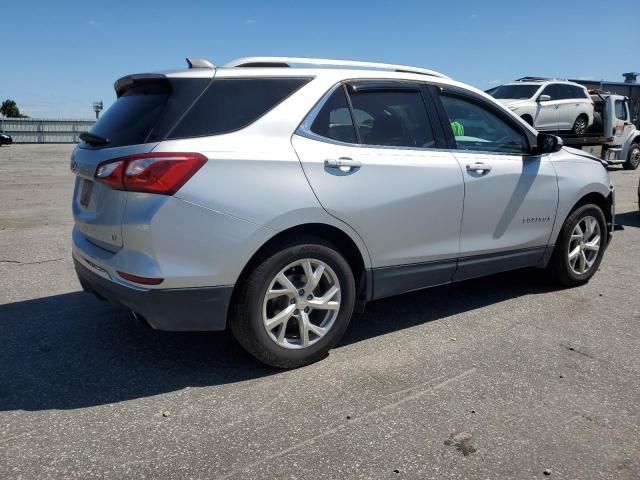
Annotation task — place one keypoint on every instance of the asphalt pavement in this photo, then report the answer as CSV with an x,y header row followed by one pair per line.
x,y
503,377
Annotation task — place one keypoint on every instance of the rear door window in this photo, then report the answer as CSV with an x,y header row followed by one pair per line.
x,y
334,119
563,91
578,92
230,104
392,118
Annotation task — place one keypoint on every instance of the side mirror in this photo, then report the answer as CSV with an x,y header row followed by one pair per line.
x,y
544,98
548,143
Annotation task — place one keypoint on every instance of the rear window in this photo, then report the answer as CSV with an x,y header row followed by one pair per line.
x,y
130,119
146,109
231,104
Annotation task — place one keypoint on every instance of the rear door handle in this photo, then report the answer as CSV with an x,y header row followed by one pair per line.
x,y
478,167
344,164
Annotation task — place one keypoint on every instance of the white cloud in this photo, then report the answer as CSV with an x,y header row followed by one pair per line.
x,y
495,82
250,21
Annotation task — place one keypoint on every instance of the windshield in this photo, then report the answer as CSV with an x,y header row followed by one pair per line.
x,y
515,91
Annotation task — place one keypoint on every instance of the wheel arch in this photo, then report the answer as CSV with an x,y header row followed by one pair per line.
x,y
586,117
345,244
591,197
596,198
635,140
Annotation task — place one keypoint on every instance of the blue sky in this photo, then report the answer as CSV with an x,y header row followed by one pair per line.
x,y
58,57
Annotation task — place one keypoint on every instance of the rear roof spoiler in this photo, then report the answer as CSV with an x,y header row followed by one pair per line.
x,y
149,81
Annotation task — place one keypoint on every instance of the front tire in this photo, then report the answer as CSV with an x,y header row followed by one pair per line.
x,y
295,305
580,246
633,157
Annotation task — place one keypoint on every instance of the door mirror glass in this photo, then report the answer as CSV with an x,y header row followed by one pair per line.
x,y
544,98
548,143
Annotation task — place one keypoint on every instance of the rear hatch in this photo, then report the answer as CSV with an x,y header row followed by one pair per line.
x,y
147,108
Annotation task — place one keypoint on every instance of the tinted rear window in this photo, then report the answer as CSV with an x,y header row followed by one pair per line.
x,y
146,109
130,119
392,118
231,104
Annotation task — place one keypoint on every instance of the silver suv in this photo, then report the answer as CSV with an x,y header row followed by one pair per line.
x,y
275,195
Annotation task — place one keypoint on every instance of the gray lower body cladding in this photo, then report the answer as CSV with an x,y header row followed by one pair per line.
x,y
388,281
177,309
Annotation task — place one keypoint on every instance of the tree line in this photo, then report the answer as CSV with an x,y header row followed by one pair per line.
x,y
10,109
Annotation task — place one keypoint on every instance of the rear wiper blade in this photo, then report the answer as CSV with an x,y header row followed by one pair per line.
x,y
93,139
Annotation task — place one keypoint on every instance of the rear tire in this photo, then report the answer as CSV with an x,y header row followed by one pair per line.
x,y
580,125
273,293
633,157
575,260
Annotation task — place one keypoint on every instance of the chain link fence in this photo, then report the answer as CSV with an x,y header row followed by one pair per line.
x,y
36,130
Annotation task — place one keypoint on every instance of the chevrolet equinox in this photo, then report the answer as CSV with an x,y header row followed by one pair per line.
x,y
275,195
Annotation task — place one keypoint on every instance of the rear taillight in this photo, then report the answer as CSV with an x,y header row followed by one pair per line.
x,y
163,173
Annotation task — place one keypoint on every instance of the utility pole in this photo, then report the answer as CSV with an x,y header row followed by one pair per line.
x,y
97,107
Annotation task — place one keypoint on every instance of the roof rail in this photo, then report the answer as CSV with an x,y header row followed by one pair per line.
x,y
539,79
320,62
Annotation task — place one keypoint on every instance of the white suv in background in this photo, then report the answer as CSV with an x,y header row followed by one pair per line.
x,y
548,105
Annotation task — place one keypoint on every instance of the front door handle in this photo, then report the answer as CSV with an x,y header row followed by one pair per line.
x,y
479,167
344,164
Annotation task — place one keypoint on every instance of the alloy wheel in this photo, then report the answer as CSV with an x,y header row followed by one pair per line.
x,y
580,127
584,245
634,157
301,303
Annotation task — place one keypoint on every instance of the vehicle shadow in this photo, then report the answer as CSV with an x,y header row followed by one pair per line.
x,y
415,308
628,219
72,351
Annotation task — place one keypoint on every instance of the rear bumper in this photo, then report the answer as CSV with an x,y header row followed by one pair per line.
x,y
176,309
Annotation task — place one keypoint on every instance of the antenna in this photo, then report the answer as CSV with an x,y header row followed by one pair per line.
x,y
199,63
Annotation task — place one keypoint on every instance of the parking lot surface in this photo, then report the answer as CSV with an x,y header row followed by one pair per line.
x,y
503,377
